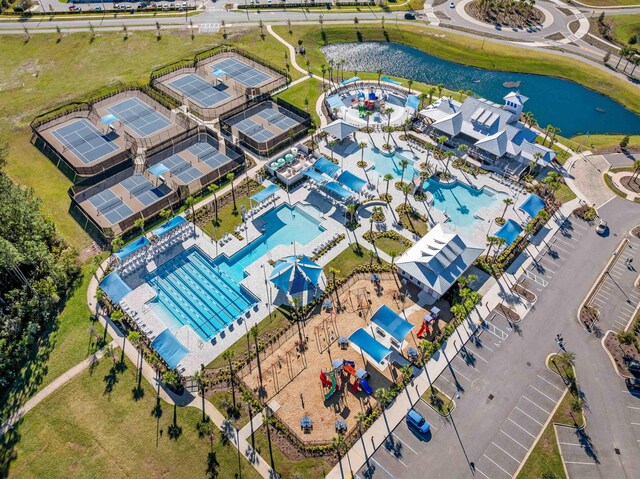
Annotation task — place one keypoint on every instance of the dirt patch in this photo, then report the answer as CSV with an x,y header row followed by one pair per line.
x,y
574,26
588,316
508,313
620,353
524,292
632,183
508,14
555,36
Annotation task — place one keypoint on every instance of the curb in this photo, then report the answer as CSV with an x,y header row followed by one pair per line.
x,y
613,362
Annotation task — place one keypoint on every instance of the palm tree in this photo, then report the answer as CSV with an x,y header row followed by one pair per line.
x,y
165,214
382,396
553,181
491,241
338,445
230,177
459,312
460,93
228,356
449,154
431,91
393,253
636,62
116,244
387,178
624,52
403,164
548,130
499,242
190,202
268,420
213,188
423,96
351,210
362,145
330,143
440,87
254,334
333,272
323,70
554,132
406,189
507,202
636,169
379,73
406,372
410,84
139,223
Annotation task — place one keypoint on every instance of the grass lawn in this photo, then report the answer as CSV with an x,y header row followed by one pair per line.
x,y
310,90
351,257
625,27
227,220
389,245
83,430
308,468
223,399
414,224
564,194
470,51
68,344
609,3
600,142
562,155
438,400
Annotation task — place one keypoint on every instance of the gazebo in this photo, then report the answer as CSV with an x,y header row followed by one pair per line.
x,y
297,276
340,129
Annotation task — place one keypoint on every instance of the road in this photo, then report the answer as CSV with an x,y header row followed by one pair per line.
x,y
505,398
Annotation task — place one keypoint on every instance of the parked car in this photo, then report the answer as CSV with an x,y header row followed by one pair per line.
x,y
633,365
98,8
602,227
414,419
632,383
409,16
452,5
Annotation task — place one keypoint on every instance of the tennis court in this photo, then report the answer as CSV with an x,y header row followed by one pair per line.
x,y
209,155
182,169
199,90
263,122
142,189
139,116
240,72
110,206
85,141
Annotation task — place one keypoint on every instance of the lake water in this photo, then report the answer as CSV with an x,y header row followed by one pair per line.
x,y
562,103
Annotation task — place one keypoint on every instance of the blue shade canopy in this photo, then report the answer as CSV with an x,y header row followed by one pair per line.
x,y
132,248
351,181
262,195
338,190
296,274
114,287
340,129
168,226
168,346
394,325
532,205
335,101
413,102
159,169
314,175
363,342
217,72
350,80
325,166
108,119
509,232
390,80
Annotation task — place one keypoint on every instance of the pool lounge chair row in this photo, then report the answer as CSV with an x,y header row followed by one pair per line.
x,y
325,244
517,187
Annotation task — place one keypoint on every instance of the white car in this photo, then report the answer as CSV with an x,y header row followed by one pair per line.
x,y
601,228
452,5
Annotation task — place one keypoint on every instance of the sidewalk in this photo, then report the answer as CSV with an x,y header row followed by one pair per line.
x,y
395,413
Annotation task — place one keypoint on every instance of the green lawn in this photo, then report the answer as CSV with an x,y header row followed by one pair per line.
x,y
624,27
346,261
310,90
565,194
600,142
68,344
308,468
562,155
470,51
85,431
389,245
442,403
227,220
222,400
609,3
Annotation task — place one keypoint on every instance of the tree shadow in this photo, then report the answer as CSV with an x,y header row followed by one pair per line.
x,y
174,431
213,466
587,445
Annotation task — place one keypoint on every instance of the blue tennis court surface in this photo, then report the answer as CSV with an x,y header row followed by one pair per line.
x,y
110,206
209,155
139,116
182,169
276,123
143,190
241,72
199,90
85,141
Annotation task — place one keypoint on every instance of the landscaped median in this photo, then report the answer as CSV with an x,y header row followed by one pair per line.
x,y
439,401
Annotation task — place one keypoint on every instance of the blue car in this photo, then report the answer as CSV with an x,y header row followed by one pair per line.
x,y
416,420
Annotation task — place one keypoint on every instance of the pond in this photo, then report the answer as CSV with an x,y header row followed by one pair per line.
x,y
565,104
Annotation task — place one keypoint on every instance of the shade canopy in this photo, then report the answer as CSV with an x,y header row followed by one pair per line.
x,y
390,80
391,323
350,80
296,274
132,248
114,287
217,72
169,348
314,175
325,166
168,226
532,205
509,231
108,119
335,102
364,343
351,181
413,102
340,129
159,169
337,189
262,195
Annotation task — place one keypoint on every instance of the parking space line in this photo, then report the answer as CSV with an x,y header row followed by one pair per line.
x,y
530,417
523,447
570,443
547,269
396,458
476,354
380,466
633,407
498,465
517,460
521,427
604,294
459,373
555,245
548,397
583,463
595,299
636,423
404,444
482,473
550,383
536,405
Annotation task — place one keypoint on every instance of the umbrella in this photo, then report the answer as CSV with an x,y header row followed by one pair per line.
x,y
296,274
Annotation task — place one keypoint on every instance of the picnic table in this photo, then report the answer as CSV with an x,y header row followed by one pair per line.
x,y
306,423
340,425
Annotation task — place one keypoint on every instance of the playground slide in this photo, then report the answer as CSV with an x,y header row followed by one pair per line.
x,y
334,385
350,363
348,368
365,386
423,329
325,381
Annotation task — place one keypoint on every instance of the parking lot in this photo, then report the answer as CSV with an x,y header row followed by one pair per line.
x,y
616,298
577,453
519,430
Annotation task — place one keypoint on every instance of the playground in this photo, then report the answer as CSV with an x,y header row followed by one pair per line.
x,y
321,390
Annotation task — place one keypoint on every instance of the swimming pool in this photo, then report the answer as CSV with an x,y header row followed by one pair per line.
x,y
390,164
192,290
281,226
461,202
